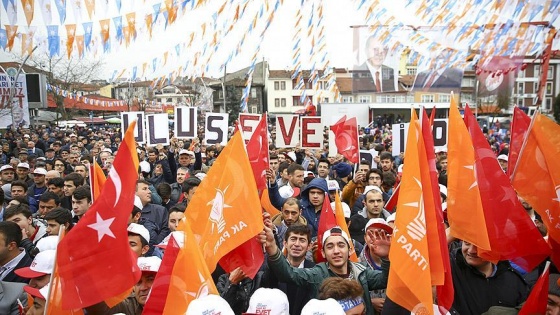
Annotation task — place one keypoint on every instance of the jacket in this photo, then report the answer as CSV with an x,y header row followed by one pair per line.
x,y
475,294
238,296
29,245
312,278
155,218
281,228
358,224
308,211
12,277
351,192
10,292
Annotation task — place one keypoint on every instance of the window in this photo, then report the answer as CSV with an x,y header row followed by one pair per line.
x,y
467,82
283,102
427,98
283,85
220,94
520,88
537,70
325,99
444,98
276,102
254,92
253,109
547,103
295,101
411,71
364,99
276,85
535,87
347,99
550,73
548,90
520,102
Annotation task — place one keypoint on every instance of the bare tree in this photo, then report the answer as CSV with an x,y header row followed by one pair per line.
x,y
69,74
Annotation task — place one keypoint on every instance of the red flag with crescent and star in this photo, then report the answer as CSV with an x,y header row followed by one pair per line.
x,y
346,138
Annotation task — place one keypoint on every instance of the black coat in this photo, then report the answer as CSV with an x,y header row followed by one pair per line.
x,y
238,296
12,277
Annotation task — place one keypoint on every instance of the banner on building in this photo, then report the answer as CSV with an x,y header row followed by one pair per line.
x,y
496,75
14,111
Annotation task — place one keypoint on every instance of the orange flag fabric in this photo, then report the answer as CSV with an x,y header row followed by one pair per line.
x,y
326,222
267,205
101,236
191,276
536,177
225,211
341,221
97,179
410,278
464,207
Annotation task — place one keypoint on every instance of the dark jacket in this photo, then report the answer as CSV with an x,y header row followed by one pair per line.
x,y
155,218
475,294
312,278
238,296
308,211
12,277
298,296
358,224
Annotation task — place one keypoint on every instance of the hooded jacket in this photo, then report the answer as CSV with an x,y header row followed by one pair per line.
x,y
308,211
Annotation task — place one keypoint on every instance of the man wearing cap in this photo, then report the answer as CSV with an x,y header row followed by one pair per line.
x,y
290,214
342,172
373,208
138,239
369,257
22,172
134,304
7,174
39,272
32,230
503,160
39,185
335,249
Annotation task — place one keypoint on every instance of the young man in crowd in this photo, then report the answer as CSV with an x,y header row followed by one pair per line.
x,y
81,201
13,256
290,214
56,218
32,230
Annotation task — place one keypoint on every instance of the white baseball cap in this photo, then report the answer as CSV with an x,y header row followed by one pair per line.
x,y
139,230
6,167
41,293
392,217
209,305
335,231
503,157
292,156
149,264
179,237
42,265
269,301
370,188
40,171
23,165
322,307
379,223
183,151
145,167
138,202
345,209
46,243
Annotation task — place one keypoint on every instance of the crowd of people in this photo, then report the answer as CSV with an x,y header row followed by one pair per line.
x,y
45,176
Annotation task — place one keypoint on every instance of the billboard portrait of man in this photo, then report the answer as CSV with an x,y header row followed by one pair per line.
x,y
439,76
375,73
18,116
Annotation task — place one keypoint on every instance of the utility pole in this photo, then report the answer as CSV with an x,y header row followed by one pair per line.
x,y
224,87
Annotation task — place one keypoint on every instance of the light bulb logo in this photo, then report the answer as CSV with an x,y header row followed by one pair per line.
x,y
217,212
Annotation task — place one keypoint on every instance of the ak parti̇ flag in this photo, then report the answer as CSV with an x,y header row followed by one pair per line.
x,y
190,278
53,304
519,126
101,236
464,207
341,221
505,217
537,300
346,138
326,222
410,275
257,150
267,205
225,211
439,252
536,177
96,180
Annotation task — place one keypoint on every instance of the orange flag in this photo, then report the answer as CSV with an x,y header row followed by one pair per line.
x,y
53,304
464,207
97,179
225,211
191,276
267,205
536,176
410,278
340,221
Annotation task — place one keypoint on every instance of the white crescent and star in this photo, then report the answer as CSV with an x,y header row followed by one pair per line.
x,y
103,227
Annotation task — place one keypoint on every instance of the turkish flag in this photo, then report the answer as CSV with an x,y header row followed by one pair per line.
x,y
346,138
519,126
226,211
537,300
95,260
326,222
257,150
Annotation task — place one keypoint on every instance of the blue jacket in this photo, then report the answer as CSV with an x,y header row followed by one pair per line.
x,y
308,211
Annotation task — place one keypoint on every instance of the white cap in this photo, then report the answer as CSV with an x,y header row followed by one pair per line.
x,y
138,202
46,243
392,217
42,265
6,167
335,231
149,264
139,230
308,174
209,305
332,185
292,156
443,190
269,301
183,151
200,175
370,188
179,237
40,171
322,307
503,157
286,191
441,149
379,223
107,150
145,167
23,165
41,293
345,209
72,135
